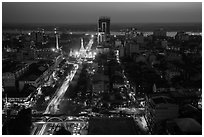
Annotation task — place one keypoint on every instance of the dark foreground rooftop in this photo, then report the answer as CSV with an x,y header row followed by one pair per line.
x,y
112,126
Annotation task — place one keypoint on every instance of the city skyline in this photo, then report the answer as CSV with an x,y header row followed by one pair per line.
x,y
89,12
63,76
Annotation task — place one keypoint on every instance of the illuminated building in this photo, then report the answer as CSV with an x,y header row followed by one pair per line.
x,y
38,72
57,42
82,50
46,53
103,29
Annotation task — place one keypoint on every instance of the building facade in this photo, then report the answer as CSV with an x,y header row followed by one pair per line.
x,y
160,108
103,29
10,75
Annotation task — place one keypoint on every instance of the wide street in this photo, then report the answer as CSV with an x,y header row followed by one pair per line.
x,y
53,105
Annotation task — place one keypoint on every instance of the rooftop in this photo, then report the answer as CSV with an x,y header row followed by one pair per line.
x,y
185,126
112,126
184,94
13,93
11,66
162,99
100,77
35,70
104,18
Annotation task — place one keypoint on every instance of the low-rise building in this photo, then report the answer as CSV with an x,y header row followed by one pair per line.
x,y
140,58
118,43
171,56
183,126
171,73
100,83
11,71
159,33
118,80
47,53
103,49
38,72
26,54
112,126
139,38
186,96
182,36
164,43
160,108
122,52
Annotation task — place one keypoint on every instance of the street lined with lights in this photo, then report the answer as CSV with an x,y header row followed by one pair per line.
x,y
52,106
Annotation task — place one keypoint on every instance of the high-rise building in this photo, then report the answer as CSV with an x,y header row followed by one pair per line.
x,y
56,35
103,29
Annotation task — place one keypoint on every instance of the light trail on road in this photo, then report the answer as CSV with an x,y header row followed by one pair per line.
x,y
59,94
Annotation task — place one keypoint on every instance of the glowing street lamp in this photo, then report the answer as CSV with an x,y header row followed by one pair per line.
x,y
53,49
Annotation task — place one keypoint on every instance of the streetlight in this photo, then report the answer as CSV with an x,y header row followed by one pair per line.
x,y
53,49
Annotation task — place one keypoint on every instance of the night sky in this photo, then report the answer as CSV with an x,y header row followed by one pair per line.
x,y
89,12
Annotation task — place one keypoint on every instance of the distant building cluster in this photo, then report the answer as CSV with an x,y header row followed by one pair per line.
x,y
26,73
103,83
166,71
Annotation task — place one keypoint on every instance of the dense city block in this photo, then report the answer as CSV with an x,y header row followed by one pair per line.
x,y
59,80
